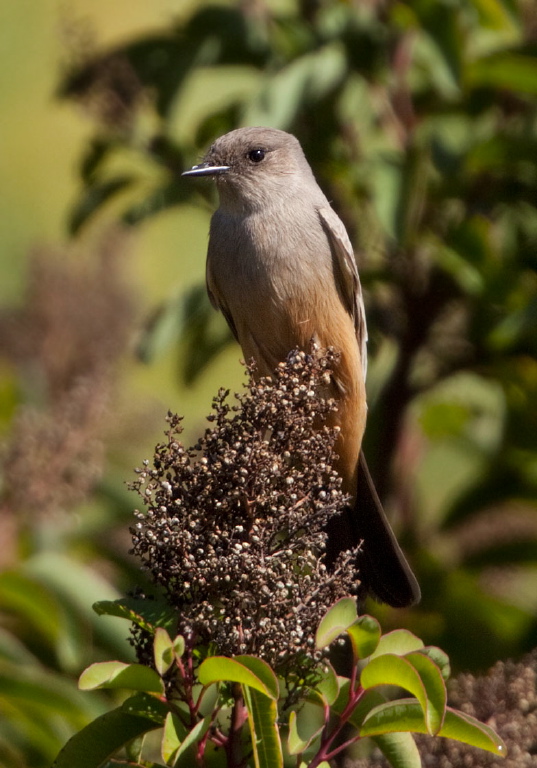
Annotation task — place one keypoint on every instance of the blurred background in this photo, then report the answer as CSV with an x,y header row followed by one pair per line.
x,y
419,120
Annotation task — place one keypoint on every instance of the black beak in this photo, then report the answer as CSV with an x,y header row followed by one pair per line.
x,y
206,169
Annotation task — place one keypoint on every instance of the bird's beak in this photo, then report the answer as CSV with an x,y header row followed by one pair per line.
x,y
206,169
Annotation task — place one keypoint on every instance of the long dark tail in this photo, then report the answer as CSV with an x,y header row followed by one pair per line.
x,y
383,569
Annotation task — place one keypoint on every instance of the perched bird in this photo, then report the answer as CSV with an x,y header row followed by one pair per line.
x,y
281,268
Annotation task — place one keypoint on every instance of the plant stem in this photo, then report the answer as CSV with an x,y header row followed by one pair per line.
x,y
238,718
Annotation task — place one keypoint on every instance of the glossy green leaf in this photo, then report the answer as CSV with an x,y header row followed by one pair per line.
x,y
440,658
336,621
219,669
406,715
399,749
264,731
435,689
263,671
390,669
101,739
146,705
147,614
465,728
193,737
116,674
399,641
296,744
163,651
174,734
179,646
328,686
365,635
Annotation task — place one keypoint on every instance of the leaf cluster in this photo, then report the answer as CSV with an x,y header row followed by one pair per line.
x,y
204,717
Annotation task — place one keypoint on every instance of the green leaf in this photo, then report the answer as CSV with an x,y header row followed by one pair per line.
x,y
179,646
246,670
306,79
440,658
435,688
263,671
516,72
262,718
101,739
365,635
32,602
400,641
161,330
296,744
94,197
147,614
336,621
117,674
174,734
406,715
390,669
163,651
465,728
399,749
194,736
328,686
145,705
203,333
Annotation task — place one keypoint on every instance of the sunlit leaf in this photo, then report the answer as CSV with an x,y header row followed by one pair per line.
x,y
407,715
296,744
192,737
399,641
390,669
116,674
217,669
365,634
435,689
440,658
163,651
336,621
174,734
146,705
264,731
328,686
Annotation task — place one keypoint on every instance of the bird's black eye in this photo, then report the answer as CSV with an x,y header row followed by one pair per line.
x,y
256,155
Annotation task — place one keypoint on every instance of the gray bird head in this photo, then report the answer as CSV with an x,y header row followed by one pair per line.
x,y
253,165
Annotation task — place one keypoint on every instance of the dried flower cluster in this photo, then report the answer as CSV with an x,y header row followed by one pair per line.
x,y
505,699
108,87
234,527
65,343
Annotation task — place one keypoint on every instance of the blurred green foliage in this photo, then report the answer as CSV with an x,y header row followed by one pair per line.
x,y
419,120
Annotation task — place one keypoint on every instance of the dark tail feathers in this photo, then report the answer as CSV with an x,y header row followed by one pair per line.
x,y
383,570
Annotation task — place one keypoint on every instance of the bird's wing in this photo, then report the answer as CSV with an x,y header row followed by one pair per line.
x,y
347,277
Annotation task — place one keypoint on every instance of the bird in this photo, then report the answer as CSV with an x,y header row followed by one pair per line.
x,y
281,269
